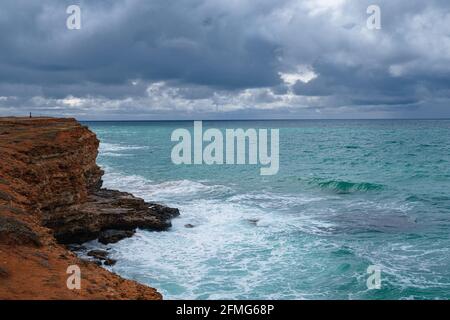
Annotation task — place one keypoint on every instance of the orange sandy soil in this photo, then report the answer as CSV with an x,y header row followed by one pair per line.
x,y
41,274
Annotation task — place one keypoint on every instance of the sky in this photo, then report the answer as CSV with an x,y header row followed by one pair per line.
x,y
225,59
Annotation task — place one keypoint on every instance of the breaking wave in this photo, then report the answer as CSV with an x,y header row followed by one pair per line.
x,y
340,186
113,147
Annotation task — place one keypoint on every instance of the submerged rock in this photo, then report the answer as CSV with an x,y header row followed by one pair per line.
x,y
253,221
98,254
110,262
101,255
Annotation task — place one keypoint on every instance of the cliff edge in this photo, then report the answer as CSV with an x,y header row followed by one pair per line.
x,y
51,195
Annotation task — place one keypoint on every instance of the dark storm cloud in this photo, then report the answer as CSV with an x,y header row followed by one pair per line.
x,y
359,83
151,40
215,56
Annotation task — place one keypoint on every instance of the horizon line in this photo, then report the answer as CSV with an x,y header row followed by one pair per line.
x,y
247,119
225,119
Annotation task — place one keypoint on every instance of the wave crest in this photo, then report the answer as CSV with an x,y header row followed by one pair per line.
x,y
113,147
341,186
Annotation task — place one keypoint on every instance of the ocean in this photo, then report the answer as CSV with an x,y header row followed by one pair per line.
x,y
349,194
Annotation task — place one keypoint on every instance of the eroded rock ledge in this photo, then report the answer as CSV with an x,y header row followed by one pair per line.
x,y
105,211
50,195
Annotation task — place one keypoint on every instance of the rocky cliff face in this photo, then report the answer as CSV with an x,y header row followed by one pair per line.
x,y
50,195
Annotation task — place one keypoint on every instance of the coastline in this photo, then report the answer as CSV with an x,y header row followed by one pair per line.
x,y
51,196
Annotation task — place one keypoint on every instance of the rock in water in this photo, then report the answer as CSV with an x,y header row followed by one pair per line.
x,y
253,221
113,236
107,209
110,262
98,254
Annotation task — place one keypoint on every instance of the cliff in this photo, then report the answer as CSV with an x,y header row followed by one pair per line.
x,y
51,195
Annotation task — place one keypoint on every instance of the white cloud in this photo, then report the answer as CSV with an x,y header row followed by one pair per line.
x,y
317,7
303,73
71,101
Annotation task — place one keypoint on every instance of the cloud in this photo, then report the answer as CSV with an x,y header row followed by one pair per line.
x,y
189,58
303,74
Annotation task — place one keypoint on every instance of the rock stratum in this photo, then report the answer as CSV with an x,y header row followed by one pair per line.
x,y
51,195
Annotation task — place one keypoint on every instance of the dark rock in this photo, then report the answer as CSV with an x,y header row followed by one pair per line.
x,y
16,232
98,254
5,196
163,211
41,255
3,273
110,262
75,247
113,236
189,225
44,263
104,210
7,208
97,262
253,221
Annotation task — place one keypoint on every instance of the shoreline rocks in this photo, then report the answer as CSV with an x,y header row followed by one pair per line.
x,y
107,215
98,254
101,256
114,236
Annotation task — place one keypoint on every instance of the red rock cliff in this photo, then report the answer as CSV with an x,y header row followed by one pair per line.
x,y
50,195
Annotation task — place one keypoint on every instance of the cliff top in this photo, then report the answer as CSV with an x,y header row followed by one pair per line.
x,y
35,120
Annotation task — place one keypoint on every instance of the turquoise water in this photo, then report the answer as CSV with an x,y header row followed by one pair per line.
x,y
349,194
